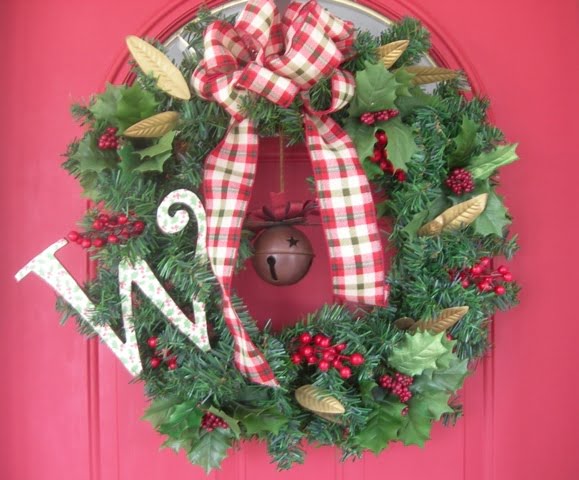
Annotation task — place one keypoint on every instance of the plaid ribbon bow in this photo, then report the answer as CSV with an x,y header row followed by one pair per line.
x,y
280,59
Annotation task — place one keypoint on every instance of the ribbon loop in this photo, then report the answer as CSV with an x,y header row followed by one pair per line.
x,y
279,59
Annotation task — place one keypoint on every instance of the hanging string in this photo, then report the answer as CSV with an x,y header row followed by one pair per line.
x,y
281,162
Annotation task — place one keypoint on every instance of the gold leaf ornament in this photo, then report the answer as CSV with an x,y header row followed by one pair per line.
x,y
153,127
154,62
424,75
391,52
459,216
445,320
318,400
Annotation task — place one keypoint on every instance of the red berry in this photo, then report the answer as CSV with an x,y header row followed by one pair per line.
x,y
73,236
97,225
152,342
325,342
345,372
400,175
329,355
103,217
378,156
98,242
113,239
305,338
476,269
318,338
172,364
297,358
324,366
307,351
312,360
381,137
155,362
357,359
122,219
507,277
337,364
500,290
460,181
484,262
86,243
404,411
465,283
367,118
341,347
502,270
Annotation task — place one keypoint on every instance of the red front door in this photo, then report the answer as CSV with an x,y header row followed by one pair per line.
x,y
67,408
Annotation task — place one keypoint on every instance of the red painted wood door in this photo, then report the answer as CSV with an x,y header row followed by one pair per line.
x,y
67,409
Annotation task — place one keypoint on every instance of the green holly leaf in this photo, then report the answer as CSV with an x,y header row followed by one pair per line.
x,y
494,218
124,106
464,143
485,164
159,411
444,361
417,352
418,424
263,422
376,89
105,105
437,404
447,380
383,425
211,449
232,422
90,158
135,105
401,145
363,138
417,98
129,159
422,411
404,79
155,156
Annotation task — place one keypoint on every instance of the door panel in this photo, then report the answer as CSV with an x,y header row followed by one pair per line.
x,y
68,409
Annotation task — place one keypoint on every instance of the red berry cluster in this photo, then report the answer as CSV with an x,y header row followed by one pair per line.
x,y
211,421
380,157
161,356
109,139
370,118
485,279
460,181
399,385
108,229
318,350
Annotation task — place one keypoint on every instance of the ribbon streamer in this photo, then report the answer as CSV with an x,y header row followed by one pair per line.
x,y
280,59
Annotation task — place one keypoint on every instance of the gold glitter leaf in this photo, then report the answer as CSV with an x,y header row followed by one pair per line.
x,y
154,62
459,216
391,52
446,319
153,127
318,401
424,75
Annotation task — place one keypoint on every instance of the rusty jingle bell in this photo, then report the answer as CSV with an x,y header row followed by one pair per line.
x,y
283,255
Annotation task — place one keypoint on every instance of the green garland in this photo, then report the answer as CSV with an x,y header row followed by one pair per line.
x,y
433,134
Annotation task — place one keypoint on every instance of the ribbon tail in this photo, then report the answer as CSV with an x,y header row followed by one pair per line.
x,y
348,214
228,180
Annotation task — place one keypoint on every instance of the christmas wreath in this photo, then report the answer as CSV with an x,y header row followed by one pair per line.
x,y
170,171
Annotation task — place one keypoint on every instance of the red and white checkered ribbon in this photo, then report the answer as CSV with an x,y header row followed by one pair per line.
x,y
280,60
